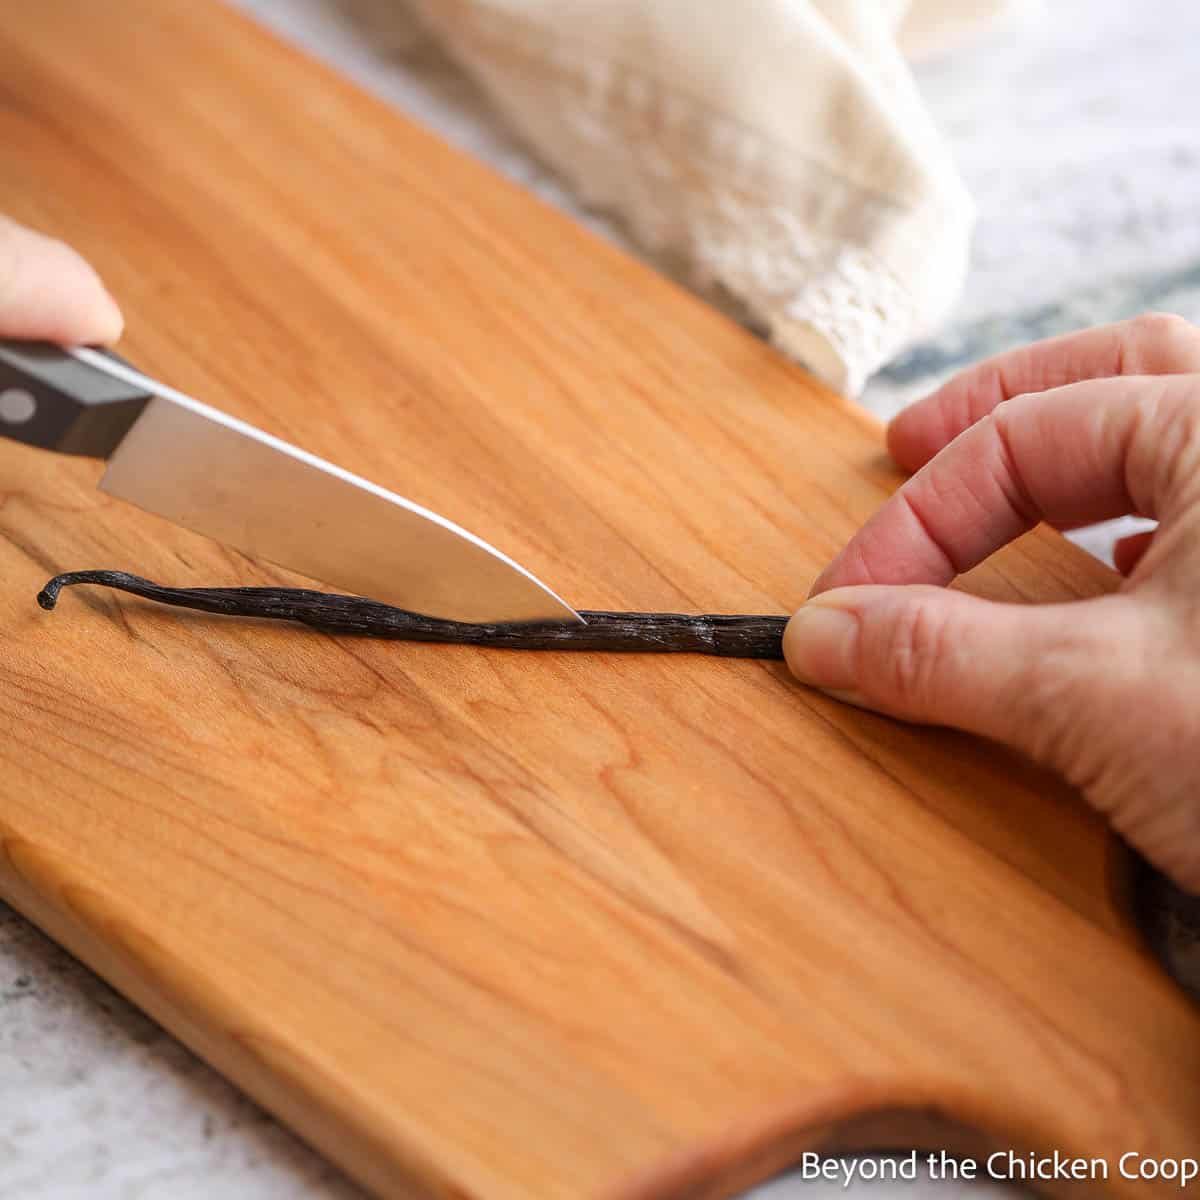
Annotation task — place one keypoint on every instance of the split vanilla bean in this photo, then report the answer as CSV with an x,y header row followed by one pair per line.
x,y
663,633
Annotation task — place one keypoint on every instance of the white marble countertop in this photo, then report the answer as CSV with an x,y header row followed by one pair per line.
x,y
1079,135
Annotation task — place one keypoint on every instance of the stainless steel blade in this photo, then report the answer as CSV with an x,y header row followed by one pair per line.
x,y
214,474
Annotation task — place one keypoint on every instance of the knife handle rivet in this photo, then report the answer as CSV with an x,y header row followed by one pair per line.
x,y
17,406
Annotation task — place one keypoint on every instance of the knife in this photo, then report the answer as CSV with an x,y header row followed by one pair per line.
x,y
212,473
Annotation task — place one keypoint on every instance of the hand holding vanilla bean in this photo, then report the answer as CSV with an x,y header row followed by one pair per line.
x,y
1107,691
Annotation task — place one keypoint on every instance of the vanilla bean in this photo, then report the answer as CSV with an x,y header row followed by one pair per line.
x,y
667,633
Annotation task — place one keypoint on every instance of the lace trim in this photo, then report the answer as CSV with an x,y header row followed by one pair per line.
x,y
695,185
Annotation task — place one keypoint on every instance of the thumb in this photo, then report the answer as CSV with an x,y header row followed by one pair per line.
x,y
49,292
1025,675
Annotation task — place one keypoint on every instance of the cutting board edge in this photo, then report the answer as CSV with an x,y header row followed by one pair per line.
x,y
29,877
859,1116
876,1120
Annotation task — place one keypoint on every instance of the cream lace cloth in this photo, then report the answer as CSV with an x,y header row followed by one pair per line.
x,y
777,150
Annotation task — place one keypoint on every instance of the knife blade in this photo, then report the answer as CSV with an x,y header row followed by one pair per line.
x,y
212,473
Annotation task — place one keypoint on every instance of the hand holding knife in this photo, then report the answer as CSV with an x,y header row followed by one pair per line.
x,y
217,475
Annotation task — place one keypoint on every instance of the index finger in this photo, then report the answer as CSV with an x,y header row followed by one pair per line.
x,y
1071,456
1152,344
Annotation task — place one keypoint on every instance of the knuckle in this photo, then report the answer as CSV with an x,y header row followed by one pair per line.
x,y
1008,414
1168,449
1007,409
1158,326
913,649
1162,343
1080,704
1046,717
1114,706
1114,711
1001,415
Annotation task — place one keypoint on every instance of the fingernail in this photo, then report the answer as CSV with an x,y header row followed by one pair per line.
x,y
820,645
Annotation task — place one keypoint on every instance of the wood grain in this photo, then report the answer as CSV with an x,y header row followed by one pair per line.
x,y
493,925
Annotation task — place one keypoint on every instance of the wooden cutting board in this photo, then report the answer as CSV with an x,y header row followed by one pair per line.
x,y
485,924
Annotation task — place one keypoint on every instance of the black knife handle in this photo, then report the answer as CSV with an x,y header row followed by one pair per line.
x,y
52,400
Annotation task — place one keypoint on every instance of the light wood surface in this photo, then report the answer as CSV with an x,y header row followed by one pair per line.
x,y
498,925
